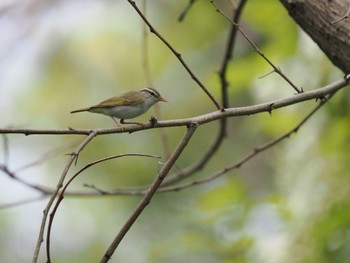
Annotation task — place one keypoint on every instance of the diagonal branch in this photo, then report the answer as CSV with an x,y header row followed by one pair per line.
x,y
176,53
185,11
150,192
276,69
71,160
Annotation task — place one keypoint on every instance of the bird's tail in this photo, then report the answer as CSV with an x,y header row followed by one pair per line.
x,y
80,110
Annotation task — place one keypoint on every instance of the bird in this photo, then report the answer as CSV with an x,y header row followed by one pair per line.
x,y
126,106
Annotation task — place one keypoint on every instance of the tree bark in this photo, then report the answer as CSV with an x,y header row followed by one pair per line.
x,y
327,23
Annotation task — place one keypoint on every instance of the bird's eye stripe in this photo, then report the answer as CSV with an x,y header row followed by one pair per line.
x,y
155,94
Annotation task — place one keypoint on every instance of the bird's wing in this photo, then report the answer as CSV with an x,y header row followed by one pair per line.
x,y
129,98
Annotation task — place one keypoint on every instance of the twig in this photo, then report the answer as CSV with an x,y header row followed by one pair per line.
x,y
61,195
185,11
201,119
22,202
177,54
276,69
13,176
47,155
145,48
344,17
228,52
55,193
150,192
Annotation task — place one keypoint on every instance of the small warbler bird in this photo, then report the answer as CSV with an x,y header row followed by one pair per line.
x,y
126,106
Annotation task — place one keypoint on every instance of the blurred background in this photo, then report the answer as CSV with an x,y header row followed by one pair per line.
x,y
289,204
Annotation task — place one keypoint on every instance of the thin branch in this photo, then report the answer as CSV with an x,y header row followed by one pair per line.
x,y
22,202
62,193
150,192
47,155
185,11
13,176
201,119
276,69
229,50
177,54
71,160
145,48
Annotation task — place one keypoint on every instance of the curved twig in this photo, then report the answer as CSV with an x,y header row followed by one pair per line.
x,y
71,160
61,195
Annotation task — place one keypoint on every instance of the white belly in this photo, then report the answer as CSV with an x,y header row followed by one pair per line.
x,y
122,112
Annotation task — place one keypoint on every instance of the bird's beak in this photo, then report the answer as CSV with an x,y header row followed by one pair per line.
x,y
162,99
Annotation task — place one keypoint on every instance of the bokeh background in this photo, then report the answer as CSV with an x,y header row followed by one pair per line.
x,y
290,204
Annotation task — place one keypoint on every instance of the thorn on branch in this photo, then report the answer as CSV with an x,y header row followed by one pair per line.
x,y
151,29
73,154
265,75
102,192
271,108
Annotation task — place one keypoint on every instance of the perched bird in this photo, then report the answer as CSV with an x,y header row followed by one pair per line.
x,y
126,106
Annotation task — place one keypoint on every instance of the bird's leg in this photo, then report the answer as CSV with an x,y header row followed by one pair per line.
x,y
138,123
118,124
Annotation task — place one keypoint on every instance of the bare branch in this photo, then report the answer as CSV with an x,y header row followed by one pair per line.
x,y
177,54
13,176
201,119
185,11
150,192
276,69
22,202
